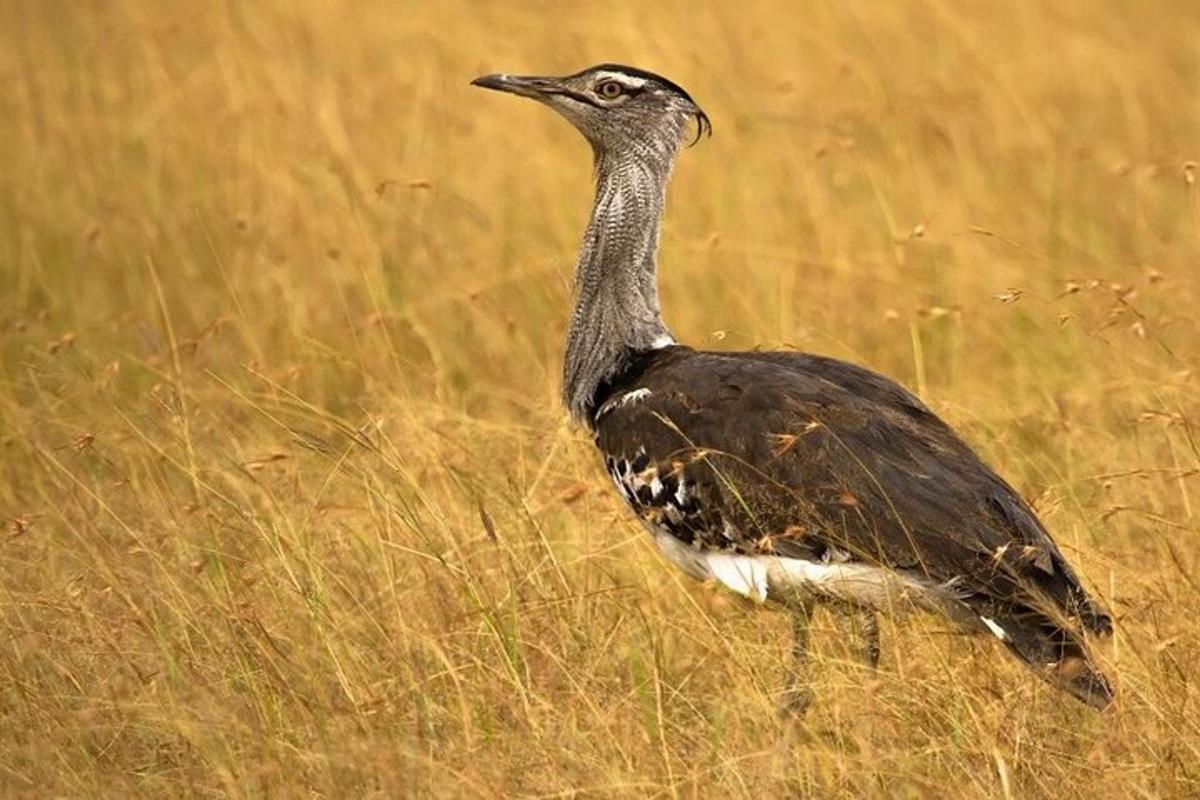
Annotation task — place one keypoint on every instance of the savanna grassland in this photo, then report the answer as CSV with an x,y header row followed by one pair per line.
x,y
290,507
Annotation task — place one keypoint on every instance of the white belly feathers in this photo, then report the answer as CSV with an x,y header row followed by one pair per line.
x,y
764,576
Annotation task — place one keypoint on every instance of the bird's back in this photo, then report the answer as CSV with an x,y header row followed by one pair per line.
x,y
796,456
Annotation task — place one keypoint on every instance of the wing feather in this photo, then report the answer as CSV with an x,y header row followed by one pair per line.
x,y
800,455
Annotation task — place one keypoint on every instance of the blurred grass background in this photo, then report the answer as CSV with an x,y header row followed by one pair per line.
x,y
290,507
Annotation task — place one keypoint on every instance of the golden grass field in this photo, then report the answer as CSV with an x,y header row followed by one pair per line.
x,y
290,507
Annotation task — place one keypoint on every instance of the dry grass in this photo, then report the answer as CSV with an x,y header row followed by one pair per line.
x,y
290,507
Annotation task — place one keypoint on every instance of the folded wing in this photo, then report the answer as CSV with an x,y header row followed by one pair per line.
x,y
812,458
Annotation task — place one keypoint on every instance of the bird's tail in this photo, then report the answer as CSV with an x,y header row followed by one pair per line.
x,y
1055,650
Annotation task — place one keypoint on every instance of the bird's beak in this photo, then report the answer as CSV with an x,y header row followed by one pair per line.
x,y
523,85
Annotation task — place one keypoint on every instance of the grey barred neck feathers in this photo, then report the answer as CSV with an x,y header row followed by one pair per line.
x,y
617,312
635,121
617,309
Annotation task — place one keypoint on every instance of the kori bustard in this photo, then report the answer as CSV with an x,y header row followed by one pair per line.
x,y
792,479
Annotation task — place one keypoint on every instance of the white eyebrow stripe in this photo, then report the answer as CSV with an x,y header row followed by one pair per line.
x,y
623,79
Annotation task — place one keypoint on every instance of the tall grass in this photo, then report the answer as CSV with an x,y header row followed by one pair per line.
x,y
290,506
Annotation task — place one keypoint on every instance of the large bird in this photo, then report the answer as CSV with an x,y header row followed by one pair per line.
x,y
792,479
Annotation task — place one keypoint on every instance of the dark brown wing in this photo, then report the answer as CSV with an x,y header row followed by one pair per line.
x,y
804,456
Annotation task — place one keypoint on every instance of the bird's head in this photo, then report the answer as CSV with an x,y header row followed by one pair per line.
x,y
618,109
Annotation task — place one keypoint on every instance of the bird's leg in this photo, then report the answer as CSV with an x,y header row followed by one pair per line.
x,y
797,694
862,629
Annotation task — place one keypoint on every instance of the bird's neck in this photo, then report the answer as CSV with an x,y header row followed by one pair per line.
x,y
616,283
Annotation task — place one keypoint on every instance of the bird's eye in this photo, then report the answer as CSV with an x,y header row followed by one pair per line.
x,y
610,90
